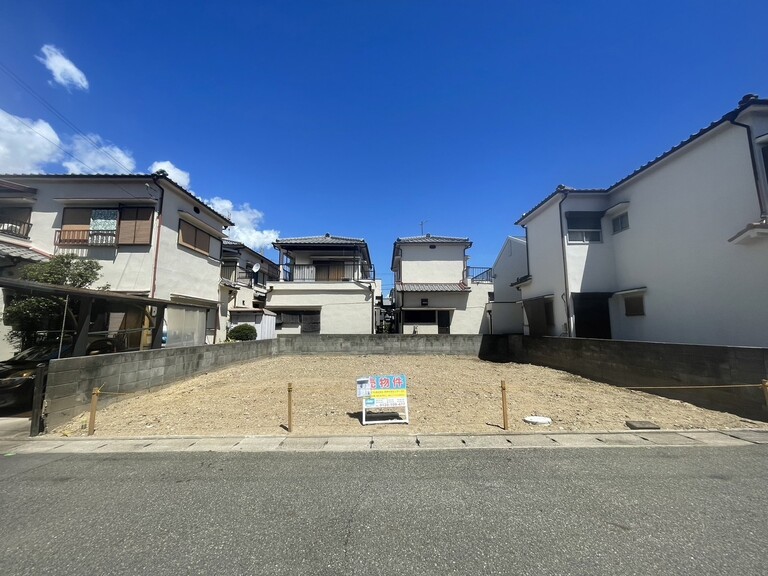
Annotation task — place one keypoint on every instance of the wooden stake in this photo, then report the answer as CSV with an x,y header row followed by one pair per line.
x,y
765,392
505,415
92,418
290,407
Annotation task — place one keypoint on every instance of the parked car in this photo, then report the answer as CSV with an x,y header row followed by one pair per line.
x,y
17,374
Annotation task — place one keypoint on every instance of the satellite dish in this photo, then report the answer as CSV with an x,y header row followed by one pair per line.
x,y
256,267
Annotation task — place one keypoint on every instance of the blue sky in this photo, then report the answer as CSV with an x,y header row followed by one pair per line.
x,y
365,118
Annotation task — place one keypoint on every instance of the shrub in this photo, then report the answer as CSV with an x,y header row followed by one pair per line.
x,y
242,332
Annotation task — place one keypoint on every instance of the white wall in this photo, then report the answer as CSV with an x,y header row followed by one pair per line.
x,y
511,264
442,264
545,262
590,266
701,288
468,308
345,307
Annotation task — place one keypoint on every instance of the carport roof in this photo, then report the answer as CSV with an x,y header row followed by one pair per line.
x,y
38,288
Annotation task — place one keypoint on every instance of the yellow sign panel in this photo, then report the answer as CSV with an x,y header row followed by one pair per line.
x,y
401,393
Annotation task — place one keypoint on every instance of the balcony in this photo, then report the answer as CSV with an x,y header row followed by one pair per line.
x,y
86,238
479,274
238,275
17,228
330,272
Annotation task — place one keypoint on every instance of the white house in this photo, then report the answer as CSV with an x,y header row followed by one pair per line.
x,y
677,251
151,236
436,291
506,306
244,277
327,285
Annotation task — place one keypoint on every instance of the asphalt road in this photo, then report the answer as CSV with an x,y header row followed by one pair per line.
x,y
608,511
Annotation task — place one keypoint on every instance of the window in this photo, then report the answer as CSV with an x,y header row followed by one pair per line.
x,y
135,226
634,305
419,317
88,226
584,227
620,223
106,226
194,238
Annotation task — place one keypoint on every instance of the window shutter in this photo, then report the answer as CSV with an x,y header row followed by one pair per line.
x,y
143,234
75,224
186,234
135,226
126,233
202,241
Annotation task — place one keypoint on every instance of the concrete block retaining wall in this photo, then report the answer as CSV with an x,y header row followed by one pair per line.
x,y
635,364
628,364
72,380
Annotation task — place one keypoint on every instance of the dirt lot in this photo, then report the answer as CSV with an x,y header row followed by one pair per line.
x,y
446,394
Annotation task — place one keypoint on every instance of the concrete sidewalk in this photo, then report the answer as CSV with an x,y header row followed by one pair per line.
x,y
635,439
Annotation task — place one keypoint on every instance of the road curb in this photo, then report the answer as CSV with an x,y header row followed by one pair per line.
x,y
415,442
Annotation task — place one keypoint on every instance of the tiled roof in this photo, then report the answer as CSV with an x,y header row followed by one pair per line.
x,y
117,176
431,287
429,239
327,239
14,251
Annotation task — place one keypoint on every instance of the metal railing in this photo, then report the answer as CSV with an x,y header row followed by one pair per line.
x,y
17,228
333,272
479,274
237,274
85,238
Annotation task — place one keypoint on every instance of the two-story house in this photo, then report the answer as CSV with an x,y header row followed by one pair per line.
x,y
436,291
150,235
674,252
244,277
327,285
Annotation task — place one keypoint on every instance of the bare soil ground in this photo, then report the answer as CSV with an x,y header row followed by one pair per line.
x,y
446,394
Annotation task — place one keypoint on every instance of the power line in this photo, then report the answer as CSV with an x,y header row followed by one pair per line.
x,y
61,116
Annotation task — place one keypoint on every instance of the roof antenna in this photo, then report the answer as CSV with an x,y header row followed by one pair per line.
x,y
422,226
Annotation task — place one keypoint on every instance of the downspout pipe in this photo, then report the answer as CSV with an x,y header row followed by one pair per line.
x,y
155,180
567,294
760,200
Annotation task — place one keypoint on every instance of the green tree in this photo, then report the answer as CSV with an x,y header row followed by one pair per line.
x,y
30,314
242,332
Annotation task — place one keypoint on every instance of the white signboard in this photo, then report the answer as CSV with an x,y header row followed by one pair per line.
x,y
384,392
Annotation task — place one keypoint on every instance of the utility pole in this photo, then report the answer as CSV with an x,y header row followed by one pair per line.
x,y
422,226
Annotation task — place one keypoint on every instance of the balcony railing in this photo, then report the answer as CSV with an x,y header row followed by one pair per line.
x,y
16,228
86,238
333,272
478,274
238,275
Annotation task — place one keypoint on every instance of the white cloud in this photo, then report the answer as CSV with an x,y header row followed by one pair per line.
x,y
26,145
178,175
63,70
247,221
92,155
